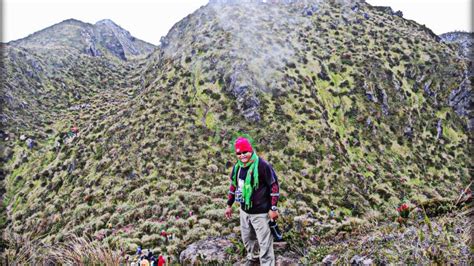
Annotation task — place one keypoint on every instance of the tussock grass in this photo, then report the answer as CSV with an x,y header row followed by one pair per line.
x,y
75,250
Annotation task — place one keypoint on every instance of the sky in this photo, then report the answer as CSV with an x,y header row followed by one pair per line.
x,y
148,20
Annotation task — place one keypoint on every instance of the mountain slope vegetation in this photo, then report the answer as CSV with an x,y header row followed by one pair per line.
x,y
348,102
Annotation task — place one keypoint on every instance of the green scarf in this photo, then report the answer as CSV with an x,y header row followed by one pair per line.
x,y
248,187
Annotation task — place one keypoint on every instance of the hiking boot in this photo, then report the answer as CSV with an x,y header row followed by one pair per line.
x,y
253,262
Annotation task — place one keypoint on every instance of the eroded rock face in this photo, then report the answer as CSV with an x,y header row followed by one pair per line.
x,y
461,98
119,41
465,40
243,89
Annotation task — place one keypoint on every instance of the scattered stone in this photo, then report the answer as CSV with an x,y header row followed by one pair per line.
x,y
71,166
323,75
398,13
30,143
212,168
284,261
371,97
439,129
427,90
367,262
408,132
304,172
329,259
368,123
24,157
356,260
79,107
22,137
384,102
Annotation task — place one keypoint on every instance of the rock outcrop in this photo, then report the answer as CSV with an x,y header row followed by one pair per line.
x,y
461,98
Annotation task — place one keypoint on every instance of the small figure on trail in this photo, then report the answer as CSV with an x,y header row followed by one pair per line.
x,y
144,262
165,235
161,261
74,129
254,185
151,258
72,133
57,145
139,250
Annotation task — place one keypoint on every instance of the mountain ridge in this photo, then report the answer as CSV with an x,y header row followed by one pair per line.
x,y
350,105
93,39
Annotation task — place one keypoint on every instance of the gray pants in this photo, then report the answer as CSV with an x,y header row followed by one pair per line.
x,y
254,227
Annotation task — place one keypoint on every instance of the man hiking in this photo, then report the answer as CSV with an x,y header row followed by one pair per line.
x,y
254,185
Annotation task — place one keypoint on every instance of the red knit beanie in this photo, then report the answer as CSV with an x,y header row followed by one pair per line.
x,y
242,145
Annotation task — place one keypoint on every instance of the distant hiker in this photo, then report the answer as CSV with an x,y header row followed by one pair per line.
x,y
254,185
57,145
74,130
161,261
72,134
144,262
139,250
151,258
165,235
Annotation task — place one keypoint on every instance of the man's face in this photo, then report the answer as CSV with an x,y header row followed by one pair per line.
x,y
244,157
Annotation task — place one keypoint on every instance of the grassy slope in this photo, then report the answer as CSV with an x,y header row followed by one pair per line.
x,y
144,160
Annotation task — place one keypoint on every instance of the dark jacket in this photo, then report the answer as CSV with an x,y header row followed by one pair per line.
x,y
267,192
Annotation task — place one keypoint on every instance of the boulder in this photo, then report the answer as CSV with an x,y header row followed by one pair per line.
x,y
367,262
329,259
361,260
211,250
283,260
212,168
460,98
30,143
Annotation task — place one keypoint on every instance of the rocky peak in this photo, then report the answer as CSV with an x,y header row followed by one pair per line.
x,y
67,33
105,37
388,10
108,23
119,41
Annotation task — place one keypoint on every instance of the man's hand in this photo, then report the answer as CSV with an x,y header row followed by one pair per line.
x,y
228,212
273,215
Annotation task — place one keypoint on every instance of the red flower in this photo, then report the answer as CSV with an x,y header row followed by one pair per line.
x,y
403,210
